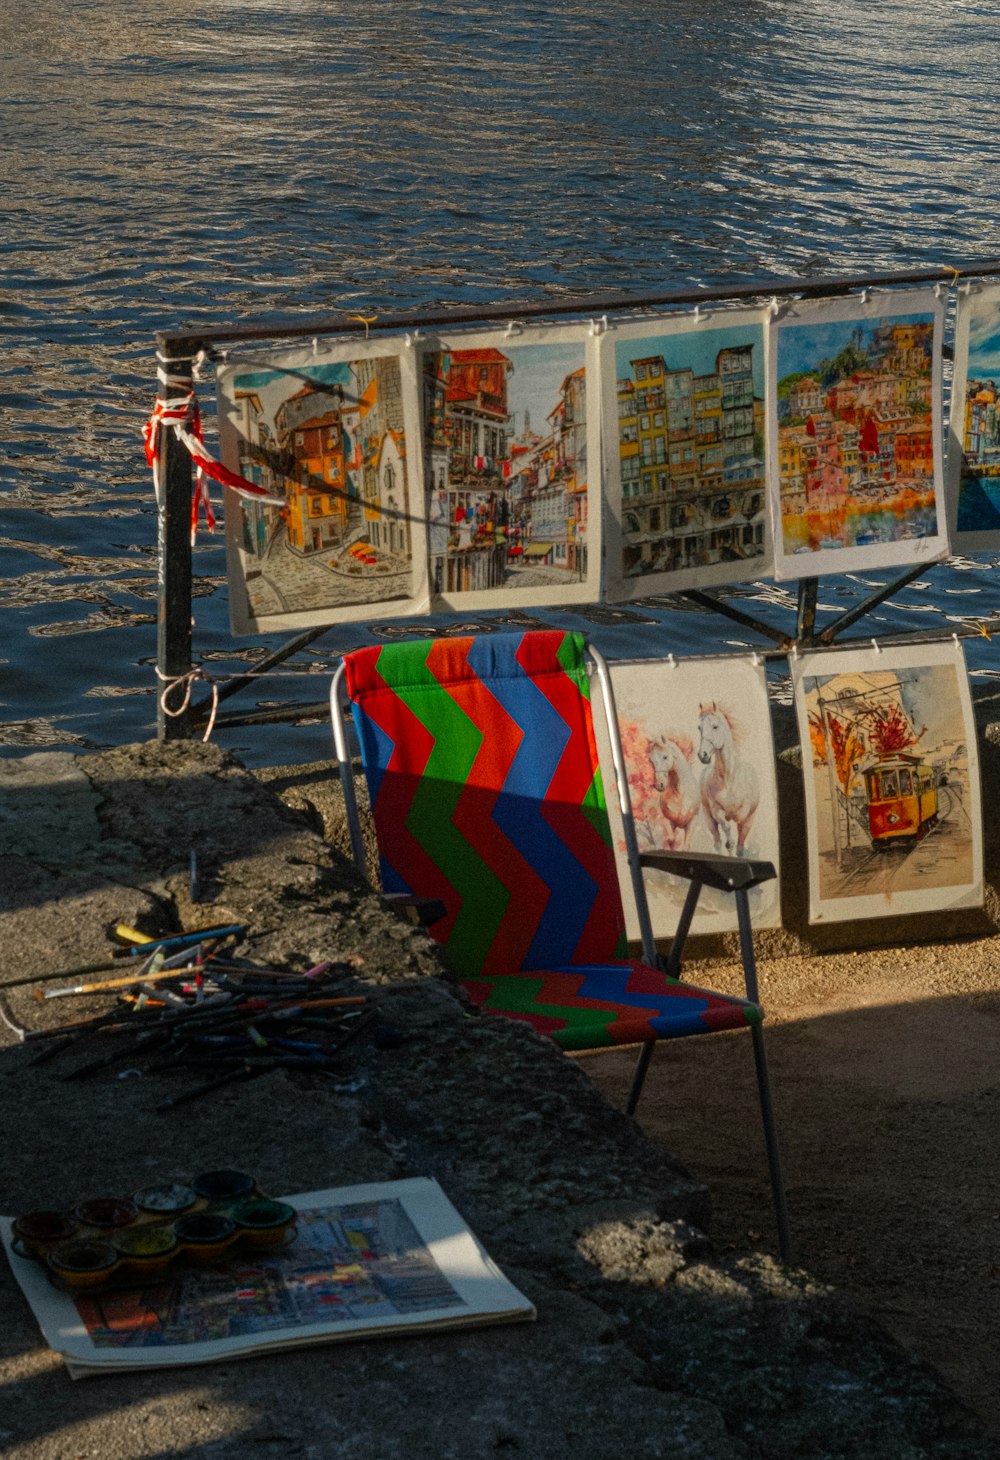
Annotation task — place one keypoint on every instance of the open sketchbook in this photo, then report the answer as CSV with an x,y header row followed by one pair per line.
x,y
388,1258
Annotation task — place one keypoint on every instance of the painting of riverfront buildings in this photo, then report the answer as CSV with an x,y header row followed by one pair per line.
x,y
974,438
700,760
891,781
511,429
685,453
333,438
856,460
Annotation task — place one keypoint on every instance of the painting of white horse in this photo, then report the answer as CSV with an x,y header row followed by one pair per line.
x,y
700,762
730,789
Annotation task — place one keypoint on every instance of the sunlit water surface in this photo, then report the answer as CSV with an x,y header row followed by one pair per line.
x,y
163,167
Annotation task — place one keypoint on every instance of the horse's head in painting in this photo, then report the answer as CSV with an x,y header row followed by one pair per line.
x,y
715,733
664,757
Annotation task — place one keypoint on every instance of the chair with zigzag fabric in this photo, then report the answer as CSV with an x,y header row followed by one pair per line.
x,y
489,808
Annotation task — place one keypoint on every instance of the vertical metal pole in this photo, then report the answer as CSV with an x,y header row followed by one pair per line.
x,y
173,629
805,625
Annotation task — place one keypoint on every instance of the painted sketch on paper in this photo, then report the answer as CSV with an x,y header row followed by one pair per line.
x,y
685,453
856,460
332,437
974,444
700,763
511,447
363,1261
891,781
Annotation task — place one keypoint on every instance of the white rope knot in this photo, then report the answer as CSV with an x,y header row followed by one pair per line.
x,y
185,681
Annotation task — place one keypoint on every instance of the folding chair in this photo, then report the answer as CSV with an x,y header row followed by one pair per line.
x,y
488,804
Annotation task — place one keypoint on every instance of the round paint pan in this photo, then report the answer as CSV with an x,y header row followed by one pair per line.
x,y
224,1187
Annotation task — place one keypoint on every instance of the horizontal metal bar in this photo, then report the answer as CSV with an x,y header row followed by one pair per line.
x,y
294,328
281,714
892,641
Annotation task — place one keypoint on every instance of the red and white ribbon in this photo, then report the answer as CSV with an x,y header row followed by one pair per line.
x,y
181,412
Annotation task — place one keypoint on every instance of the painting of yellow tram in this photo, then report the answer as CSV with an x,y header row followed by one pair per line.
x,y
902,797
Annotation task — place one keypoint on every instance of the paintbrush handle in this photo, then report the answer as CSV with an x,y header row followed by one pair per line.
x,y
118,983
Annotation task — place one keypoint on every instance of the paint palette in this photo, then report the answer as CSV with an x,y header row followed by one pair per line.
x,y
121,1241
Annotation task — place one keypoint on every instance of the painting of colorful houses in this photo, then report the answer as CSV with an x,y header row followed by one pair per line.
x,y
685,427
510,430
856,461
330,438
974,439
891,781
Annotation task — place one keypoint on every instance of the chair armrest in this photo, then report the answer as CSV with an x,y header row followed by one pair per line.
x,y
725,873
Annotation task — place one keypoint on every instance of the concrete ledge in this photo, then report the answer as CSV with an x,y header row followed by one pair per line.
x,y
647,1342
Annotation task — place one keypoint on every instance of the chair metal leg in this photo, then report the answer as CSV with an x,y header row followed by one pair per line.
x,y
759,1053
639,1076
771,1144
763,1079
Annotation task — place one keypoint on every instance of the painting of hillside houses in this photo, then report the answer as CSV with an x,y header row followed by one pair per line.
x,y
330,437
685,430
856,458
511,427
974,437
893,811
699,754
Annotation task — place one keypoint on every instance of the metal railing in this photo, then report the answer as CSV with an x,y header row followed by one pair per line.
x,y
178,351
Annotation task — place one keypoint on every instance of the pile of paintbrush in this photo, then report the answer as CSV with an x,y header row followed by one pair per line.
x,y
195,1007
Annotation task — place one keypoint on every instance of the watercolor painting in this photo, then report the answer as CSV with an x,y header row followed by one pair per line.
x,y
974,436
685,452
856,455
332,436
511,466
891,771
699,755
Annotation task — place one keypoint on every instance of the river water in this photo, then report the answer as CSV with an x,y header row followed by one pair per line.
x,y
161,168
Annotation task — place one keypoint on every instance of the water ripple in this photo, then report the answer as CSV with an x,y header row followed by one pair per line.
x,y
249,159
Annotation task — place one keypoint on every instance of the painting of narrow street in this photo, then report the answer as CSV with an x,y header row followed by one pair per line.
x,y
891,781
330,438
511,427
856,465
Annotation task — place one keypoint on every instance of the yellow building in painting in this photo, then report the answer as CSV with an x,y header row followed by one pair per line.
x,y
691,463
311,448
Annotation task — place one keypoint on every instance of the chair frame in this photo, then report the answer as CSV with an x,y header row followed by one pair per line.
x,y
734,875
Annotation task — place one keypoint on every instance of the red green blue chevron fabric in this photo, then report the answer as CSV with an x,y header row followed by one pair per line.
x,y
487,796
486,792
591,1006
